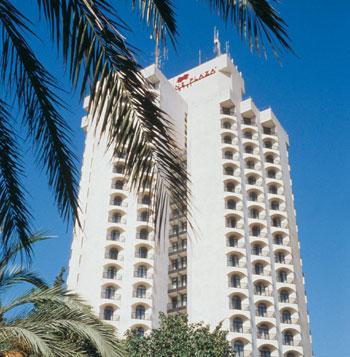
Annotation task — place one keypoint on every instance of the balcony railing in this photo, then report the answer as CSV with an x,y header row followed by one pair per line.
x,y
141,294
290,321
265,292
114,317
110,296
140,316
177,250
176,232
227,111
236,264
261,313
237,285
144,256
266,336
291,342
238,329
242,307
290,300
177,307
172,288
177,268
111,276
138,274
114,257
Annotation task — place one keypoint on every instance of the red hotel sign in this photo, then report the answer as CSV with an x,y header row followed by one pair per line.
x,y
185,81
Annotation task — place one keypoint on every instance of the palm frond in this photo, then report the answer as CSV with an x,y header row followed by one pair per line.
x,y
159,16
14,214
34,88
257,21
121,101
57,317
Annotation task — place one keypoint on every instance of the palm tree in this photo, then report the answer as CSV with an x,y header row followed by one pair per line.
x,y
90,37
48,321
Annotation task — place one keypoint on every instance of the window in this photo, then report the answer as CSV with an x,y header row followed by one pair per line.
x,y
238,348
271,173
268,144
116,218
144,216
258,268
269,159
118,169
140,312
146,200
263,331
236,303
255,231
230,187
113,253
288,338
275,205
229,170
280,258
233,260
141,291
278,239
118,185
284,296
273,189
109,292
254,213
248,149
228,155
232,241
257,249
262,310
247,121
111,273
117,201
108,313
227,139
282,276
235,281
286,317
248,134
114,235
253,196
231,204
140,331
143,234
237,325
250,164
290,354
141,271
265,352
268,130
260,289
227,111
251,180
226,125
142,252
276,222
231,222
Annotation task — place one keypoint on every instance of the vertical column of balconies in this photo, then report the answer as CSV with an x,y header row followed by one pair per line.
x,y
286,309
177,270
114,243
255,212
236,254
144,249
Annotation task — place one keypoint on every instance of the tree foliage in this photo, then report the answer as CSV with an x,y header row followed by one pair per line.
x,y
48,321
177,338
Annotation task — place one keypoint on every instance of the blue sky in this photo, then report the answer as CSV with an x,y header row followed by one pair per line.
x,y
309,94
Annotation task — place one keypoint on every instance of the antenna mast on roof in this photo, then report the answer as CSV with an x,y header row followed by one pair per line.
x,y
217,46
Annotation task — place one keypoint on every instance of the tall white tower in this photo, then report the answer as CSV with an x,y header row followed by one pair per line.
x,y
241,265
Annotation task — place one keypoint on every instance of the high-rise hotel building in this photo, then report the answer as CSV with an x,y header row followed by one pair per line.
x,y
241,263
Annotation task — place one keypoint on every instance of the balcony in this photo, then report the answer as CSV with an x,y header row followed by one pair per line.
x,y
177,307
177,250
240,307
142,275
290,321
261,313
141,295
114,257
107,275
177,269
140,316
238,285
110,296
144,256
239,329
236,264
173,288
287,300
177,232
266,336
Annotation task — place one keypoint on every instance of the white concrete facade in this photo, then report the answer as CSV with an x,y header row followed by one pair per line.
x,y
240,265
